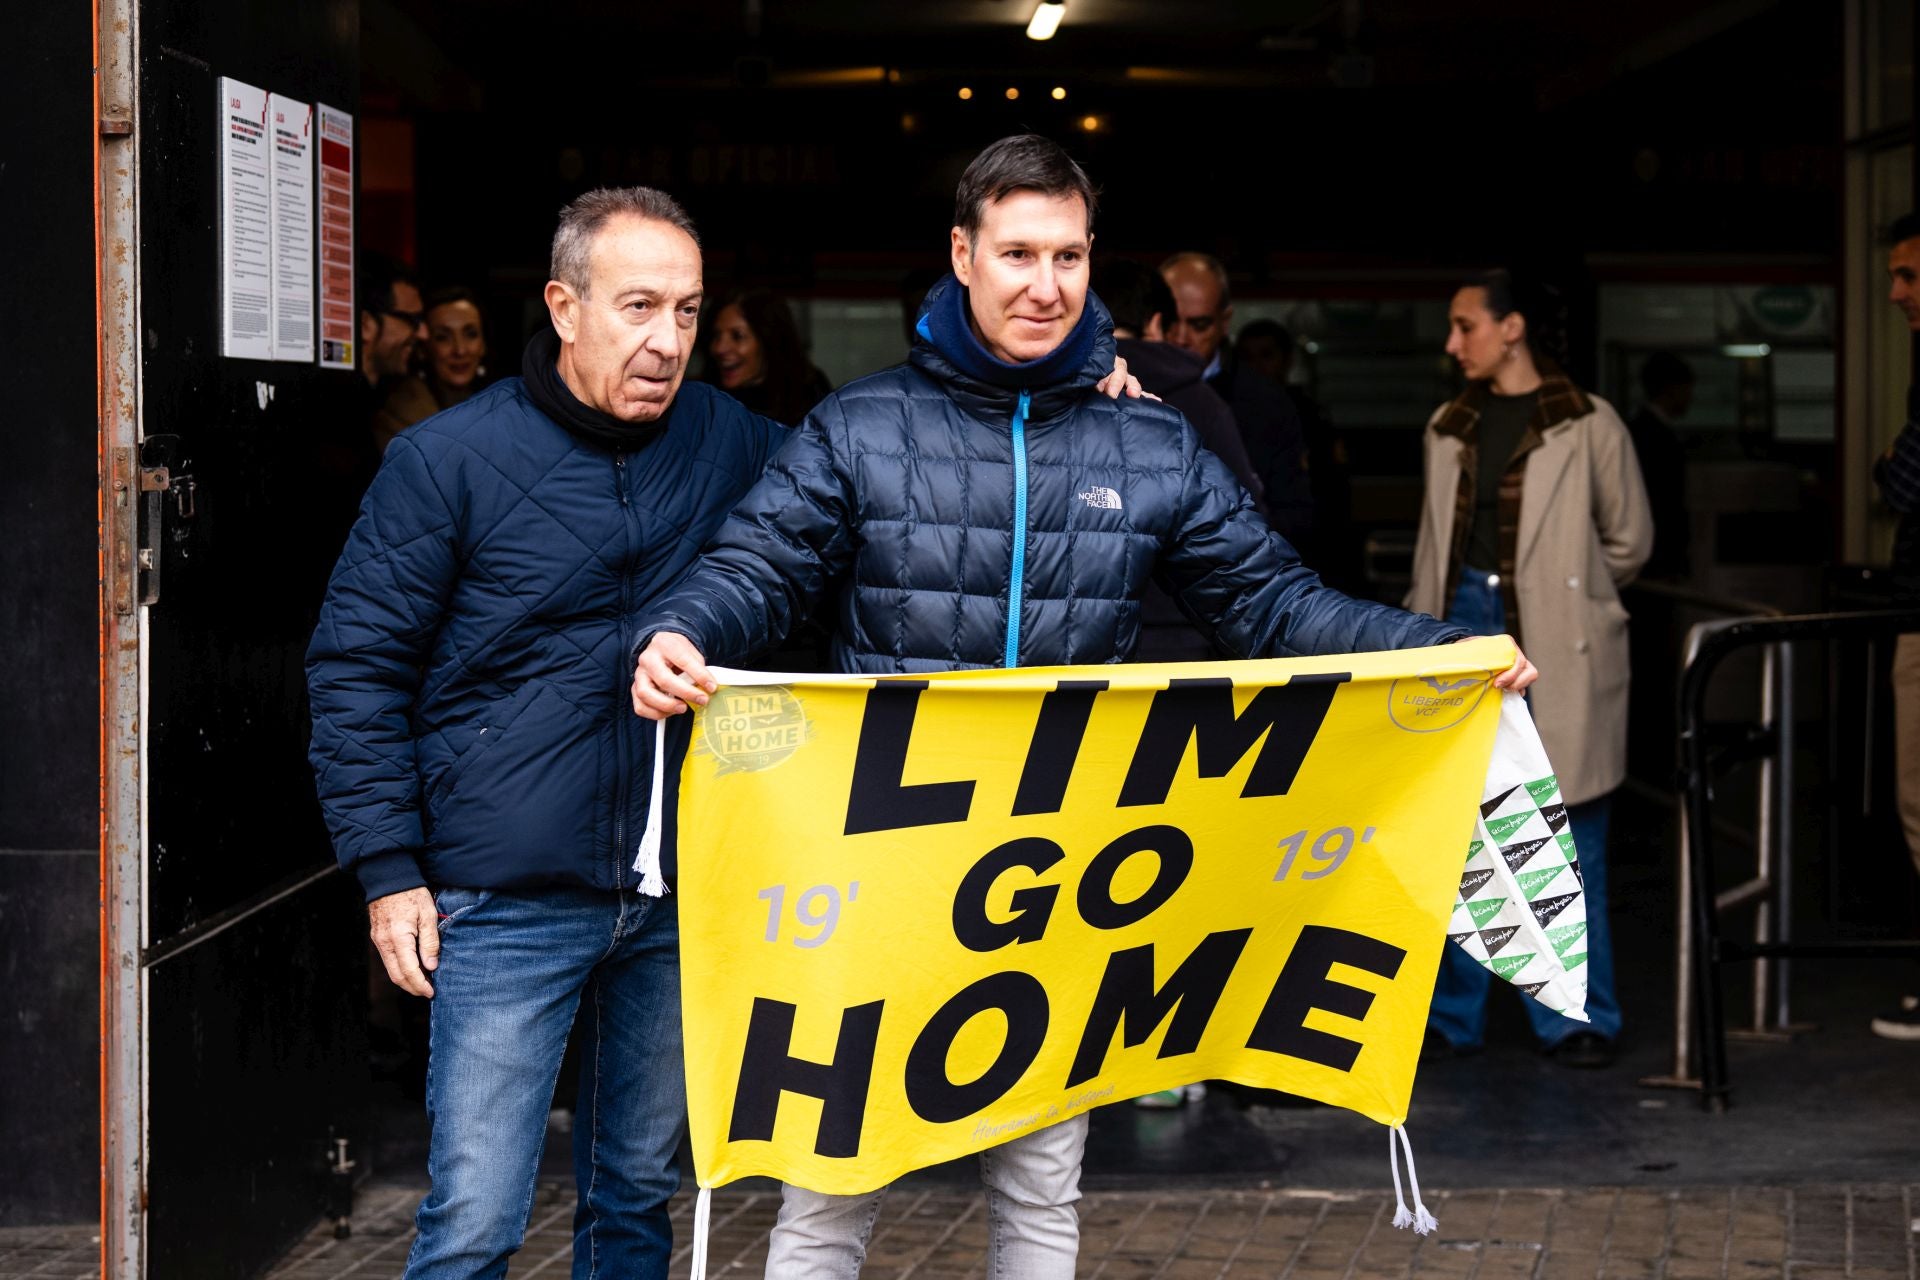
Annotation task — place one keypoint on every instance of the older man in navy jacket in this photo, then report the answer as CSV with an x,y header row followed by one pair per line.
x,y
474,757
983,510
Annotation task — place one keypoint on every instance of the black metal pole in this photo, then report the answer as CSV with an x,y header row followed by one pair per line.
x,y
1710,1019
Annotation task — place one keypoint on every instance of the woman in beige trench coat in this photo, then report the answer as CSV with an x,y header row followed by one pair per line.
x,y
1535,515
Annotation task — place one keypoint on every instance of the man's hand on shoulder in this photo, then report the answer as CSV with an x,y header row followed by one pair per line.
x,y
406,932
670,676
1120,381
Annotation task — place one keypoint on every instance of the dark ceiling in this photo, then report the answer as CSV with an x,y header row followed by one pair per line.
x,y
1289,136
438,50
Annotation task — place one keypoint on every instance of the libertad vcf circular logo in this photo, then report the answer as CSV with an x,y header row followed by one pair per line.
x,y
1428,704
753,728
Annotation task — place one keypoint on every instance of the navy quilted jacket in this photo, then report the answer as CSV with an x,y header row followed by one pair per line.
x,y
968,520
471,721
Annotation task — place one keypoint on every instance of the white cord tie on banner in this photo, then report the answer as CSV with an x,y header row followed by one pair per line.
x,y
1418,1218
652,882
702,1222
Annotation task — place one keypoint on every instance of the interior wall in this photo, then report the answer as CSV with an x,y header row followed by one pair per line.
x,y
49,809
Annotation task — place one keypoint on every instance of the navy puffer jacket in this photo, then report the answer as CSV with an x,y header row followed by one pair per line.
x,y
469,678
977,514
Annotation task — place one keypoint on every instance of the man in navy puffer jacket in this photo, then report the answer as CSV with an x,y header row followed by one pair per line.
x,y
473,752
987,511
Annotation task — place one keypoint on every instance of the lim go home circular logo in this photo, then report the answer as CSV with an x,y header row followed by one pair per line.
x,y
754,727
1428,704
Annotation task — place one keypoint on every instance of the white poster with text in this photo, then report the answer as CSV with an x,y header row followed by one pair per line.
x,y
292,136
246,223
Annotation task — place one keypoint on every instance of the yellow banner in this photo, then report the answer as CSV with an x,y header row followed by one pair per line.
x,y
921,916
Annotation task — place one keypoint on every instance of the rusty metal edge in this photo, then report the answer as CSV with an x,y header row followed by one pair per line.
x,y
123,1091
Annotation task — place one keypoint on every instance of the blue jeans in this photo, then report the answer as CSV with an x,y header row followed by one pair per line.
x,y
1459,1010
515,967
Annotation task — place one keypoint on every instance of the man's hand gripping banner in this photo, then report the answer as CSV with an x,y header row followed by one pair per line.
x,y
921,916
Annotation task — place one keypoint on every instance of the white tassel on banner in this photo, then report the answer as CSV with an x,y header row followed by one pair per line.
x,y
1419,1219
702,1223
652,882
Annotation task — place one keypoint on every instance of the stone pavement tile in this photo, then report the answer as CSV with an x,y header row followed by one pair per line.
x,y
1521,1217
1818,1233
1562,1264
1191,1269
1612,1268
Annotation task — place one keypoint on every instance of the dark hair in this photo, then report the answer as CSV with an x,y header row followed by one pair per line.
x,y
1025,162
787,377
1905,227
1272,330
1663,371
1538,303
1134,293
375,276
452,294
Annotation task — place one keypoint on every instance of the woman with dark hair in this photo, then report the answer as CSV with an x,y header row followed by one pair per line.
x,y
754,355
1535,515
453,364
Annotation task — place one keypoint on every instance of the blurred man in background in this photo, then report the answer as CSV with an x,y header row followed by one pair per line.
x,y
1898,472
1268,424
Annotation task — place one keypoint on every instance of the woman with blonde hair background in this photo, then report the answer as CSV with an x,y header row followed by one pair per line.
x,y
1535,515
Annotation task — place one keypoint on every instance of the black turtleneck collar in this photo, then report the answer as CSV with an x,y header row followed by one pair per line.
x,y
540,370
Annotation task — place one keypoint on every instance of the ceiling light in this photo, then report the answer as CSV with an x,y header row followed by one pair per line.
x,y
1012,93
1059,93
965,93
1746,350
1090,124
1046,19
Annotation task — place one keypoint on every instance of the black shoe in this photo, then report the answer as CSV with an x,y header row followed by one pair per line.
x,y
1902,1024
1584,1050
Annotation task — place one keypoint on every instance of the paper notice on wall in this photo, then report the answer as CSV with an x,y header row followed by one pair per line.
x,y
292,164
338,322
246,223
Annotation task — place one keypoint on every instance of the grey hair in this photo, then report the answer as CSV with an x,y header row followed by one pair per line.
x,y
1216,268
581,221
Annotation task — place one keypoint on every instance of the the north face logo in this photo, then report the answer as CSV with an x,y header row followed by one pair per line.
x,y
1101,498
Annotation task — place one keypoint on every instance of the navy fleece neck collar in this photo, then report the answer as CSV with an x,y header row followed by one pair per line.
x,y
945,323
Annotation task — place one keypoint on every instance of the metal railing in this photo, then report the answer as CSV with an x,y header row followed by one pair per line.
x,y
1772,834
1702,901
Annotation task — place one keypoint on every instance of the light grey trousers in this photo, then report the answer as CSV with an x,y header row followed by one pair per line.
x,y
1033,1230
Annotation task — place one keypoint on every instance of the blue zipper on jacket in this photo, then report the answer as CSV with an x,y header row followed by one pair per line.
x,y
1016,585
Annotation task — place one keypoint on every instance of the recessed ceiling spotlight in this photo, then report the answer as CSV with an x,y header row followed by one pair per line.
x,y
1013,94
1046,19
1059,93
965,93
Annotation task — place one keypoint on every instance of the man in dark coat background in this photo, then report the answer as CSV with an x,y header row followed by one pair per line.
x,y
1666,387
1141,304
1275,440
982,509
